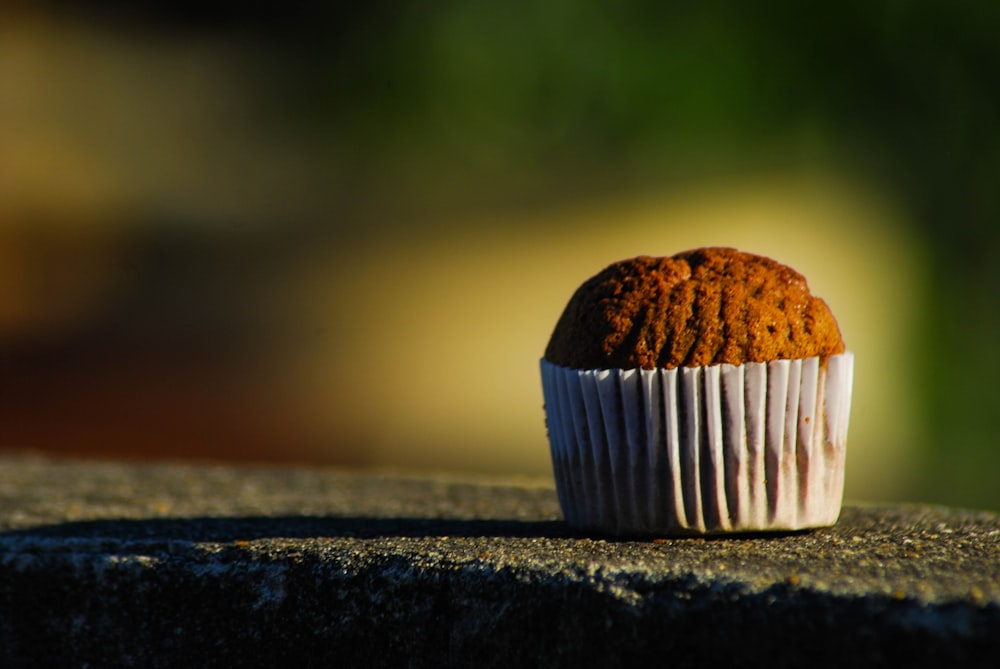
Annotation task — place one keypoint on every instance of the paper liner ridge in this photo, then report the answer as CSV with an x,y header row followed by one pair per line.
x,y
722,448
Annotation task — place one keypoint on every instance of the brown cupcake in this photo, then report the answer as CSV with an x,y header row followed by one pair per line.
x,y
701,307
700,393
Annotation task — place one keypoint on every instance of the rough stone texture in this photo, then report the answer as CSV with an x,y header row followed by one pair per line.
x,y
112,564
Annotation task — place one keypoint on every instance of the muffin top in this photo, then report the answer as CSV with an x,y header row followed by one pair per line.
x,y
701,307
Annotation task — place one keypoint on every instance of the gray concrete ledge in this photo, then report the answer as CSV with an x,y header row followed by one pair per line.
x,y
111,564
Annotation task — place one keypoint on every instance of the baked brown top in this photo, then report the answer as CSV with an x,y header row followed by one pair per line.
x,y
700,307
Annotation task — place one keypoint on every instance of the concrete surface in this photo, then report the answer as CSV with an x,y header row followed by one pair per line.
x,y
116,564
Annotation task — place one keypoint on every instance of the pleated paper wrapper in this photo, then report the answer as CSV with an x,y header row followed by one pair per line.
x,y
700,450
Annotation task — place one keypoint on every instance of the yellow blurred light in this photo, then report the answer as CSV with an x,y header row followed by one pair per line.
x,y
431,348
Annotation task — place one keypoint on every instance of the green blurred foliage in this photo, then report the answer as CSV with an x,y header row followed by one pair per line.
x,y
550,95
905,94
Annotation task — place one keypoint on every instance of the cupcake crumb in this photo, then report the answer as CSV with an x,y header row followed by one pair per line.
x,y
701,307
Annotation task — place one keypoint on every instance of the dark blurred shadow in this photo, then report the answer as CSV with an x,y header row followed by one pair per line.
x,y
250,528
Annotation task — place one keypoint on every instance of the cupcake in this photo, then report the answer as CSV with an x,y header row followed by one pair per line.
x,y
706,392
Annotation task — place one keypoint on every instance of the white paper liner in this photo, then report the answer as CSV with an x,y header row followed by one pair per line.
x,y
725,448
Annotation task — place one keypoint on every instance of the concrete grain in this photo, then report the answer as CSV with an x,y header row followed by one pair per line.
x,y
156,565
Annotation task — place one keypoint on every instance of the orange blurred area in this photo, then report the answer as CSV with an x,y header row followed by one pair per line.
x,y
130,404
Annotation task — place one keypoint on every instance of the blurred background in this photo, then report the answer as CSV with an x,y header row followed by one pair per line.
x,y
341,233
